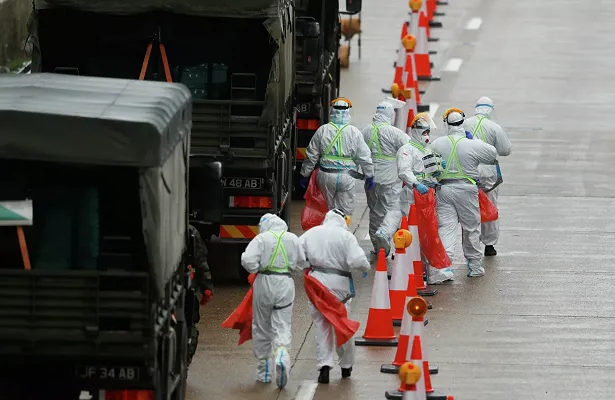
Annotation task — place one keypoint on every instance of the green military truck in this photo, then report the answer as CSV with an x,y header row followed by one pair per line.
x,y
94,238
256,70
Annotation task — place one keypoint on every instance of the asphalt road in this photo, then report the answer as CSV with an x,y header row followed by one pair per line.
x,y
540,325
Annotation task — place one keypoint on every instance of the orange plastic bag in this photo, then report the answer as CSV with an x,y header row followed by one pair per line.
x,y
331,308
488,212
241,318
313,214
431,244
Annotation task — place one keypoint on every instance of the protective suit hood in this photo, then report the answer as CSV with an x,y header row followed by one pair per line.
x,y
455,130
385,113
484,107
271,222
334,219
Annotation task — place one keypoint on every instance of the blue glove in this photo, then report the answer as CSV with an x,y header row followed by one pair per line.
x,y
369,183
469,135
364,275
303,182
421,188
443,163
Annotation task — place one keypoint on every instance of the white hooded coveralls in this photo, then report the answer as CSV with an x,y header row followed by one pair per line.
x,y
332,246
383,140
339,147
411,170
273,253
457,199
482,128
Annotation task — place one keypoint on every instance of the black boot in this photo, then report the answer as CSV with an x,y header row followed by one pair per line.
x,y
490,251
324,375
346,372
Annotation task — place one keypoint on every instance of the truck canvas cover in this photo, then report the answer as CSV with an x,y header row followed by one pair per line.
x,y
206,8
278,19
97,121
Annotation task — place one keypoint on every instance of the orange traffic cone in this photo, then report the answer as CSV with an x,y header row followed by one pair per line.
x,y
409,376
379,328
414,255
404,335
421,53
399,277
417,307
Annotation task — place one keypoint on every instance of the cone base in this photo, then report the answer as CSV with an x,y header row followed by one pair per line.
x,y
394,369
439,14
429,78
387,91
435,24
433,39
427,292
432,52
442,3
376,342
396,394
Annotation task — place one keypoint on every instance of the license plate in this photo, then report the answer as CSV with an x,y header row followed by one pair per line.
x,y
108,373
242,183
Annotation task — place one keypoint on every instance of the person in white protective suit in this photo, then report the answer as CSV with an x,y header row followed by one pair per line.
x,y
383,140
273,253
340,148
411,171
333,252
457,198
484,128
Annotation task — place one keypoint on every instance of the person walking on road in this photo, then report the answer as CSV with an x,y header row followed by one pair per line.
x,y
383,140
273,253
333,252
484,128
340,148
457,199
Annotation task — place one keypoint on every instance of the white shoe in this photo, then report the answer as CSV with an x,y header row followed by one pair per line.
x,y
282,367
438,276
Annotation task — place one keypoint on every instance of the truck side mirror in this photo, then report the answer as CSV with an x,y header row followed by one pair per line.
x,y
353,6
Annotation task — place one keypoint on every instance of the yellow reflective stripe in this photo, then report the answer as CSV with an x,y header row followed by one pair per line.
x,y
479,128
453,156
376,140
337,139
279,249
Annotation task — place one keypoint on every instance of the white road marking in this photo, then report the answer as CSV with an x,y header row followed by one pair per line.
x,y
453,65
306,391
433,109
474,23
366,236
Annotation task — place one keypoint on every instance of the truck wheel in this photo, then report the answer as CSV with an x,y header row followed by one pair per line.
x,y
182,363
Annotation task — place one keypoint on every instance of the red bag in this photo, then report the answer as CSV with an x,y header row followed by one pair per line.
x,y
331,308
431,245
241,318
313,214
488,212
